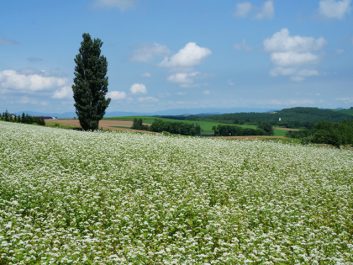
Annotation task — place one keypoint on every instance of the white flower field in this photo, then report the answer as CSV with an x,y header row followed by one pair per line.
x,y
71,197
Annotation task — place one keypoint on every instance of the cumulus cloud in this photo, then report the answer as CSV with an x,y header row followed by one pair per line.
x,y
247,9
243,9
63,92
138,89
267,11
183,78
289,58
121,4
294,73
282,41
149,52
293,56
14,80
25,100
335,9
116,95
189,56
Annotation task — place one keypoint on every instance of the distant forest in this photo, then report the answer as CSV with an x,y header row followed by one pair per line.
x,y
23,118
300,117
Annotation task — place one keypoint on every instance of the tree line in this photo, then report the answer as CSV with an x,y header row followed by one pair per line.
x,y
166,126
23,118
333,133
232,130
194,129
300,117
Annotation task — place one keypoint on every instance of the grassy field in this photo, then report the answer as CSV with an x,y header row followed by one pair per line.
x,y
72,197
125,123
206,126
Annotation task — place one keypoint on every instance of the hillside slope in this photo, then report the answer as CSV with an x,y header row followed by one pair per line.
x,y
293,117
71,197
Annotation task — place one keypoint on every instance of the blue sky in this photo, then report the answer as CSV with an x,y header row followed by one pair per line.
x,y
199,54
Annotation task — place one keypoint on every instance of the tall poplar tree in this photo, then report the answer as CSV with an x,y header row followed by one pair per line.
x,y
90,83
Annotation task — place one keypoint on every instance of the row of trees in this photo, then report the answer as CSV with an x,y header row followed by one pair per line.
x,y
176,127
23,118
194,129
166,126
231,130
138,125
336,134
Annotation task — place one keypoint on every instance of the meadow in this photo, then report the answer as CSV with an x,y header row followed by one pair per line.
x,y
73,197
206,126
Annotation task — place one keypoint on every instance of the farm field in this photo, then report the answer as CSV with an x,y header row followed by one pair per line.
x,y
72,197
124,123
74,123
206,126
110,125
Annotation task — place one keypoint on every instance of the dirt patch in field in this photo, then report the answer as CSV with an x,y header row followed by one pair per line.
x,y
110,125
286,129
102,123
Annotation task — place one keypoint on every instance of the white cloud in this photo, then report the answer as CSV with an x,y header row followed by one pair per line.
x,y
183,78
282,42
25,100
243,9
121,4
189,56
293,73
267,11
247,9
138,89
63,92
116,95
206,92
334,8
149,52
25,82
293,56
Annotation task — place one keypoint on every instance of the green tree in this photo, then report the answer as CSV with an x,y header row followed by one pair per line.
x,y
90,83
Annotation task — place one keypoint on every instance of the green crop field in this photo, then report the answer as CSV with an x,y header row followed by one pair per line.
x,y
206,126
72,197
